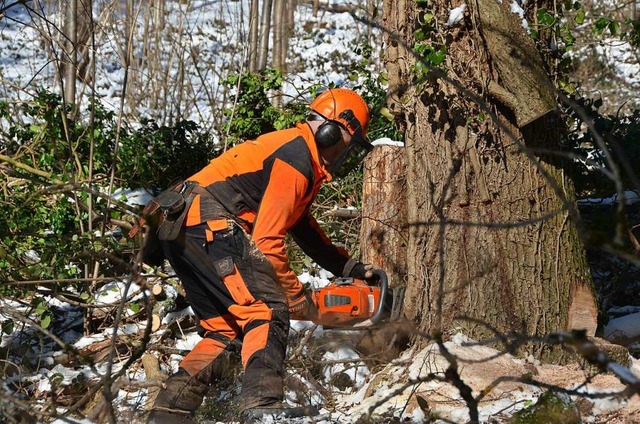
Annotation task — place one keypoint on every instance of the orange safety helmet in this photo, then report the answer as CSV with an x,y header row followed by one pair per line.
x,y
340,108
332,103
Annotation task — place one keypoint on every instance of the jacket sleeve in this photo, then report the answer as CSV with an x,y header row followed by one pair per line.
x,y
282,205
315,244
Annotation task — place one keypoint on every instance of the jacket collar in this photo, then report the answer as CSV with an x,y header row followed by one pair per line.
x,y
321,172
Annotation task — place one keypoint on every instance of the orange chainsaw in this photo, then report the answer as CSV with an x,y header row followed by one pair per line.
x,y
350,302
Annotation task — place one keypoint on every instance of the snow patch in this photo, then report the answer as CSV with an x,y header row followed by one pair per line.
x,y
630,197
456,14
518,10
385,141
113,292
623,328
136,197
347,361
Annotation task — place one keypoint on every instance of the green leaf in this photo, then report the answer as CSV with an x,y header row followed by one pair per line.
x,y
7,326
135,307
580,17
386,113
600,25
545,18
420,34
428,17
437,57
421,48
45,321
614,27
56,379
567,87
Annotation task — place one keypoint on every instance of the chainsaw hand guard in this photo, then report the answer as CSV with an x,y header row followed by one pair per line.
x,y
302,307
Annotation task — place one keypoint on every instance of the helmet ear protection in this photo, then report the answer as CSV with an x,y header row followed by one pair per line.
x,y
329,133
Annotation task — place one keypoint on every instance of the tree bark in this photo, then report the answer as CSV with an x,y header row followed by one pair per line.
x,y
278,31
265,29
254,18
71,60
490,243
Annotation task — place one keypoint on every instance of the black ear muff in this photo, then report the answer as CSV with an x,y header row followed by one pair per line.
x,y
328,134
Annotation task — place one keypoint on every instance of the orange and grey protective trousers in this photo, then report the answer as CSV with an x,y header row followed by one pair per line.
x,y
233,290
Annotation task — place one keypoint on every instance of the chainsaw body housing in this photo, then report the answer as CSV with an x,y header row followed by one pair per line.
x,y
346,302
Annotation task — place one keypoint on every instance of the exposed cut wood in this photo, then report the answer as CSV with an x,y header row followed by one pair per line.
x,y
583,312
169,297
383,234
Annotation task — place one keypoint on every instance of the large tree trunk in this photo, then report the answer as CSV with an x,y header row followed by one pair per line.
x,y
491,237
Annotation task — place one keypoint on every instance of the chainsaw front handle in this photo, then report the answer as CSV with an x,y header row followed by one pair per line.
x,y
383,282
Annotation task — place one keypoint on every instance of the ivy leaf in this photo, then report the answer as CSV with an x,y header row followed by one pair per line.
x,y
600,25
386,113
420,35
7,326
614,27
437,57
428,17
567,87
56,379
45,321
545,18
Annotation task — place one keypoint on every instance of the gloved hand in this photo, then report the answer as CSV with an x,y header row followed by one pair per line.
x,y
302,306
362,271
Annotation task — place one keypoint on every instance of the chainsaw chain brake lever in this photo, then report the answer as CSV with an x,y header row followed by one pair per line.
x,y
343,281
383,283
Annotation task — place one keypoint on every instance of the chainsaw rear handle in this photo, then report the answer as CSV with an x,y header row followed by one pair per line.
x,y
383,282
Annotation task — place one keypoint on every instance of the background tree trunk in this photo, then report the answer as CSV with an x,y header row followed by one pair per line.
x,y
254,19
71,60
489,237
278,33
265,29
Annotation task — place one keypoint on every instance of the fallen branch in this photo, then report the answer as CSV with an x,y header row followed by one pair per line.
x,y
153,376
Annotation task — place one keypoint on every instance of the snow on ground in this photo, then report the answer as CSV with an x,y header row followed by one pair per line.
x,y
390,392
480,367
630,196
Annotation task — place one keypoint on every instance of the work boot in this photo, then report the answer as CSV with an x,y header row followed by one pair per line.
x,y
178,401
163,417
276,411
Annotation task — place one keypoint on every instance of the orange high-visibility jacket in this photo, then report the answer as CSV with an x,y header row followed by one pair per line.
x,y
269,184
